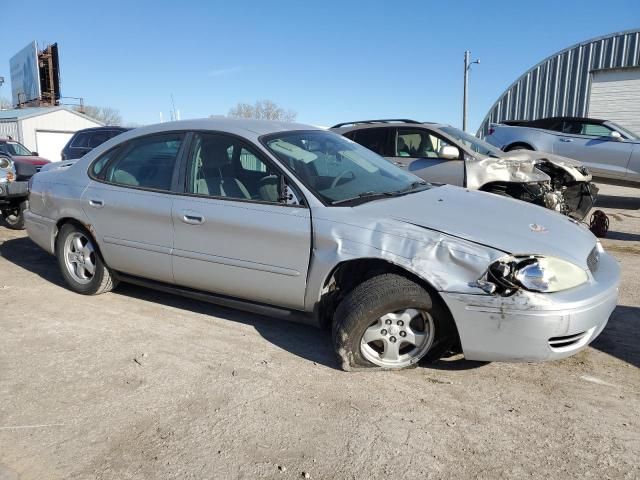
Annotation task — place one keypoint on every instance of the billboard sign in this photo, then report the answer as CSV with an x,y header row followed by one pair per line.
x,y
25,75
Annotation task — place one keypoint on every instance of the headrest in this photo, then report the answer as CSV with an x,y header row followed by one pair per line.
x,y
213,153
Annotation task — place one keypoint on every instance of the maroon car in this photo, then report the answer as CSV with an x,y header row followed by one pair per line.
x,y
21,154
13,193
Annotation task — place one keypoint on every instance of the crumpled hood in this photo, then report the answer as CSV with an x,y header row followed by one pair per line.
x,y
502,223
574,167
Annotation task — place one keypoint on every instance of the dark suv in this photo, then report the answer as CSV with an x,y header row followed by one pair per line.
x,y
83,141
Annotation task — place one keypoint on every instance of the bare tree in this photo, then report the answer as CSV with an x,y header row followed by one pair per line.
x,y
5,103
106,115
263,109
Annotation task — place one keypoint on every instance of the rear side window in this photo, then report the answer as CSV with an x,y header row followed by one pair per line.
x,y
80,140
375,139
98,138
146,162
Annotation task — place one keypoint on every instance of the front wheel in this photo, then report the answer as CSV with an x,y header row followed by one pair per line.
x,y
80,262
390,322
13,218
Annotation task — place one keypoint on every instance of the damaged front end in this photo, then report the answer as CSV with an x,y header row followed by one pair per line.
x,y
554,184
570,190
533,273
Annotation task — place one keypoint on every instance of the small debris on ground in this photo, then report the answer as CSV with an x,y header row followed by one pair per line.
x,y
282,468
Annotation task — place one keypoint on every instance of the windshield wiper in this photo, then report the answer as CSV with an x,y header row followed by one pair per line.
x,y
413,186
368,194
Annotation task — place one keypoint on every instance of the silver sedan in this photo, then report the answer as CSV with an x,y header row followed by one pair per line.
x,y
304,224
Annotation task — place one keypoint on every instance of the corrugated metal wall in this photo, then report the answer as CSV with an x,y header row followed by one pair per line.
x,y
9,128
559,85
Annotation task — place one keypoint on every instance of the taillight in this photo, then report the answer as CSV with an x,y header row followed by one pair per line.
x,y
491,130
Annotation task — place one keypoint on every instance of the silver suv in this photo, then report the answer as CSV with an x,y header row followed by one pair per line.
x,y
301,223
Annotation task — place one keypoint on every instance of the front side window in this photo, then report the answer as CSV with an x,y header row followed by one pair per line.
x,y
418,143
595,130
146,162
337,169
223,166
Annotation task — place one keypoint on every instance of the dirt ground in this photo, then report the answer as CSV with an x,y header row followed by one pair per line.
x,y
140,384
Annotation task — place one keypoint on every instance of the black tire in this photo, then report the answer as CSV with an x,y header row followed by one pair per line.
x,y
101,281
518,146
374,298
14,219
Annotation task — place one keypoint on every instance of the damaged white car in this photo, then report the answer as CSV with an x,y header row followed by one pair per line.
x,y
301,223
444,154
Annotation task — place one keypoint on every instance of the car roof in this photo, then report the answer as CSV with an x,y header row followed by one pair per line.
x,y
241,126
99,129
385,123
548,119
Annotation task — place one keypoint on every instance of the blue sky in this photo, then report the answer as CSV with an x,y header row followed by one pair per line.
x,y
330,61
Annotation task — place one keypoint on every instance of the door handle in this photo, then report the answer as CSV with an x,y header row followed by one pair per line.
x,y
566,140
192,218
96,203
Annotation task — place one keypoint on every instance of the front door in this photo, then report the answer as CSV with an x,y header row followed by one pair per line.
x,y
419,151
233,236
129,205
592,144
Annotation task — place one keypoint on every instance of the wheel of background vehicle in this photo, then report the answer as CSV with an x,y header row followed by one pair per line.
x,y
518,146
14,218
390,322
80,262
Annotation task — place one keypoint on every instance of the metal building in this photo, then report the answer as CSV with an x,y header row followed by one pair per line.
x,y
599,78
45,130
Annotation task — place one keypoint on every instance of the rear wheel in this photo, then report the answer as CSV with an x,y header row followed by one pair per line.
x,y
13,218
518,146
390,322
80,262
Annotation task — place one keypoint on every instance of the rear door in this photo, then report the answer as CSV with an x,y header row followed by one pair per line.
x,y
232,235
129,204
592,144
419,150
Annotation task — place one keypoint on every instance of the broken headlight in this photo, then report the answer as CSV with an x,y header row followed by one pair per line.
x,y
532,273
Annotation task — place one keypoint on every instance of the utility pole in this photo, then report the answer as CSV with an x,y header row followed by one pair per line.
x,y
467,67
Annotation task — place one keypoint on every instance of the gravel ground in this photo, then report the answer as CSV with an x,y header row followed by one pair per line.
x,y
140,384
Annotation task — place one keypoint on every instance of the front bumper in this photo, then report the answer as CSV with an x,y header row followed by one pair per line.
x,y
531,326
12,190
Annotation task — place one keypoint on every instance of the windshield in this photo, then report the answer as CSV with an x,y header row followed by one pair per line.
x,y
339,170
14,148
474,143
627,132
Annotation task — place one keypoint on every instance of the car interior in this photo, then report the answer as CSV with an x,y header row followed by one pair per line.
x,y
221,167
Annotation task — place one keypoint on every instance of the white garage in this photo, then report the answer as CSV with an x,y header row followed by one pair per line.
x,y
45,130
615,96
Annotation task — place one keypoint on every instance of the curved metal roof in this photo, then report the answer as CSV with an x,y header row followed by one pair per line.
x,y
559,85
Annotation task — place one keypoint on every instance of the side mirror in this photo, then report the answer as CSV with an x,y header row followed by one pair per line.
x,y
615,136
449,152
35,154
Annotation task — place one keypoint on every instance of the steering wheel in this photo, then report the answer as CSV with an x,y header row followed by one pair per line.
x,y
339,177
